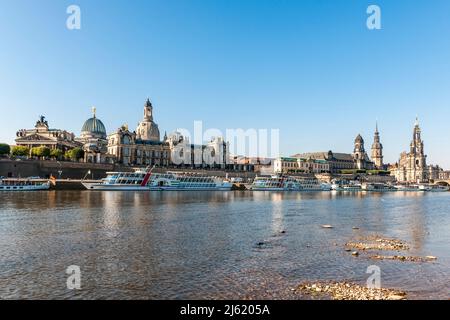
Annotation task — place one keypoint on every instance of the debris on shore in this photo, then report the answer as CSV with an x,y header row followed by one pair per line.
x,y
349,291
377,243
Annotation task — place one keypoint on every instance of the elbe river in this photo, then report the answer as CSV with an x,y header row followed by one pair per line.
x,y
215,245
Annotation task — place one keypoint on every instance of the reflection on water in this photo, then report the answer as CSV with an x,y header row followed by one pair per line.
x,y
213,244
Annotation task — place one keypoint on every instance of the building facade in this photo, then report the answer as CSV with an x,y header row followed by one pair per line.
x,y
301,165
43,136
444,175
336,161
434,173
130,150
213,155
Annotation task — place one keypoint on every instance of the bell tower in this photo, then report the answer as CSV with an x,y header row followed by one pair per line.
x,y
377,149
359,153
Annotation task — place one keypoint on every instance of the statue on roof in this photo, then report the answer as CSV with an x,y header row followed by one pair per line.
x,y
42,121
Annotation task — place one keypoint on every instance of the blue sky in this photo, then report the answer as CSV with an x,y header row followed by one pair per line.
x,y
310,68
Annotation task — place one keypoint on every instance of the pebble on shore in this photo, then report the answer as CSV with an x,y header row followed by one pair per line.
x,y
378,243
350,291
405,258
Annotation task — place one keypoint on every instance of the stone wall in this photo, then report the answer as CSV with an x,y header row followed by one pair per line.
x,y
79,170
43,169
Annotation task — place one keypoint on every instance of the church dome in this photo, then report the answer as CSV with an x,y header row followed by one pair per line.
x,y
148,131
94,125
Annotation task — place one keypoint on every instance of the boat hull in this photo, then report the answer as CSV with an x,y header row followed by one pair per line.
x,y
13,188
292,190
112,187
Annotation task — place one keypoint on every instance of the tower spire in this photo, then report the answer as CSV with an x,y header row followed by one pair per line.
x,y
94,111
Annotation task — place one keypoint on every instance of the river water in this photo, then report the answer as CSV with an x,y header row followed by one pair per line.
x,y
214,245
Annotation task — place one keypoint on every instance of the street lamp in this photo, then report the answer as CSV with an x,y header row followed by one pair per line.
x,y
60,169
88,173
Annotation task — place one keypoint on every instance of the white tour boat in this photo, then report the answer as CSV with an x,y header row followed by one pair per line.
x,y
350,186
145,180
23,185
405,187
377,187
288,183
433,188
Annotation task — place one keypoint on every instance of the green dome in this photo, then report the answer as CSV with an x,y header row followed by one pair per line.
x,y
94,125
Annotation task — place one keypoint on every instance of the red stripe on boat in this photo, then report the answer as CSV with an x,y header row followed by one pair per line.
x,y
146,178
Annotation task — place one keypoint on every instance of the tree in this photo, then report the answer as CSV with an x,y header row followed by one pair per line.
x,y
4,149
20,151
40,152
74,154
56,153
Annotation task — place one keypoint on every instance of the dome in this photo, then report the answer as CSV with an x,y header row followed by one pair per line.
x,y
148,131
94,125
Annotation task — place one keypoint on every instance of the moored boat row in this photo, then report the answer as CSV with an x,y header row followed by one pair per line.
x,y
355,186
146,180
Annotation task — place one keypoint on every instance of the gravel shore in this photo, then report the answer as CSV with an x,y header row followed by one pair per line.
x,y
348,291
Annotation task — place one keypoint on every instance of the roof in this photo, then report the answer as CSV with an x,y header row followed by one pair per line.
x,y
288,159
295,159
343,156
94,125
359,138
324,156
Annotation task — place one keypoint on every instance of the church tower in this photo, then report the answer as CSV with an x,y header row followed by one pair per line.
x,y
417,158
377,150
359,153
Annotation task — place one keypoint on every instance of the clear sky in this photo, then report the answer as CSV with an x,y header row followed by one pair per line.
x,y
309,68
